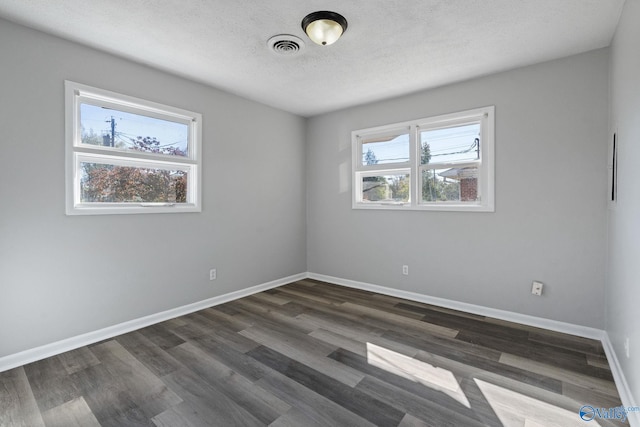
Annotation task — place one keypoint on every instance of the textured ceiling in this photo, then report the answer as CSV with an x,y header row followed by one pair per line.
x,y
391,47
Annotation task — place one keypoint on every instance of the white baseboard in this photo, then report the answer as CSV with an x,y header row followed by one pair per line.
x,y
18,359
621,382
554,325
524,319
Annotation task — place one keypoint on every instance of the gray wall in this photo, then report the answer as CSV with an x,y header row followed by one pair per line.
x,y
549,223
623,292
62,276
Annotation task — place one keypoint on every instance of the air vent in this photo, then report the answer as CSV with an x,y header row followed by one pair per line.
x,y
286,44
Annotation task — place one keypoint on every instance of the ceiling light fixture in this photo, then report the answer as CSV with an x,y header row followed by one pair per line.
x,y
323,27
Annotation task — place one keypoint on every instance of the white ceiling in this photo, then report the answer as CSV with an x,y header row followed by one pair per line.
x,y
391,47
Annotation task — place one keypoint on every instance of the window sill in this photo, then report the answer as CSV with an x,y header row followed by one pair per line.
x,y
442,207
142,208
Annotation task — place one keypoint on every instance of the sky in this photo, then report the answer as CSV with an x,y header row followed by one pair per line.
x,y
130,126
454,144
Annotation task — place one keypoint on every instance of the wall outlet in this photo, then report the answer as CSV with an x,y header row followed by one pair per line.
x,y
626,347
536,288
212,274
405,270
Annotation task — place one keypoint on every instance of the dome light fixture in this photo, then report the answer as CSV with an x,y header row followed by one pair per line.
x,y
324,27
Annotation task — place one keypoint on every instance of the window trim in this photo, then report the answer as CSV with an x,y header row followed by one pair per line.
x,y
76,152
486,179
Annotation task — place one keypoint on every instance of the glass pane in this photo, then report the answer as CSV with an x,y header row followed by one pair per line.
x,y
127,131
450,185
385,188
385,149
124,184
454,144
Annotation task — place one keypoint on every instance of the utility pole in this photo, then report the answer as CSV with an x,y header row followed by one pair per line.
x,y
113,130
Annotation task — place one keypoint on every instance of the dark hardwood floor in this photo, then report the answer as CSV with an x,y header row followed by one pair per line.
x,y
315,354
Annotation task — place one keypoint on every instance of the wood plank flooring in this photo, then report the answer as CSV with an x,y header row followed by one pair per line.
x,y
315,354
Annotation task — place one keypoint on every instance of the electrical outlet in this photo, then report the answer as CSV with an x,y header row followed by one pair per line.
x,y
536,288
212,274
626,347
405,270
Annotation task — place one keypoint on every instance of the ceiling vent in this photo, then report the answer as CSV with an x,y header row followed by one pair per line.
x,y
286,44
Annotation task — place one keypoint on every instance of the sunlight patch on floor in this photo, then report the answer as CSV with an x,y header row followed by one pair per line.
x,y
515,409
415,370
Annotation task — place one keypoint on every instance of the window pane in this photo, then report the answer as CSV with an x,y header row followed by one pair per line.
x,y
385,149
450,185
124,184
385,188
127,131
453,144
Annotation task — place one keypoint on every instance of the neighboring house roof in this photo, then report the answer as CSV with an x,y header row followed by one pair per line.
x,y
460,173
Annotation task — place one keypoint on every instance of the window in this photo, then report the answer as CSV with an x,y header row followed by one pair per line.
x,y
127,155
437,163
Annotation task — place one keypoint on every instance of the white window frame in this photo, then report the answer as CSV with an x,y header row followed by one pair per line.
x,y
486,174
76,152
